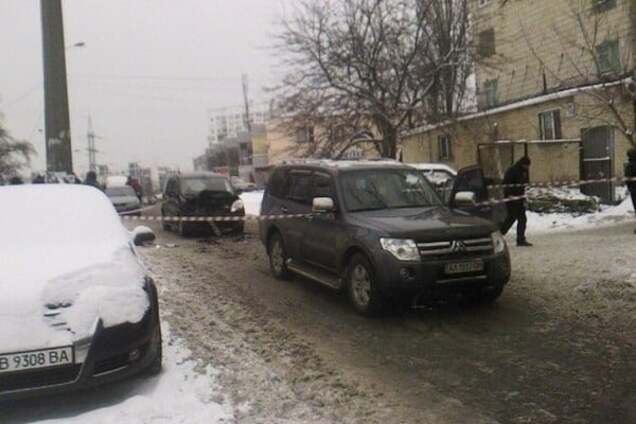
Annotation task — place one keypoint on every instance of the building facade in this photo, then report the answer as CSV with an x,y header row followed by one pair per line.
x,y
555,80
230,122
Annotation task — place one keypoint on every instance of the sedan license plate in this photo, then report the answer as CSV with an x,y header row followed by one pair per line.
x,y
23,361
464,267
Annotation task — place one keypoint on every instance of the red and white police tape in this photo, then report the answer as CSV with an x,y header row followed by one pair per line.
x,y
215,218
128,216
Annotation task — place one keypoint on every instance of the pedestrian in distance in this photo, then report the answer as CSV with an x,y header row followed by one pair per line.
x,y
91,180
630,172
516,180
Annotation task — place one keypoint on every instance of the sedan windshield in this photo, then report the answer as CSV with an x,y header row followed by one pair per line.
x,y
387,189
198,184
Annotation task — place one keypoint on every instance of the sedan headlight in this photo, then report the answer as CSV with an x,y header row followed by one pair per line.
x,y
402,249
237,206
498,242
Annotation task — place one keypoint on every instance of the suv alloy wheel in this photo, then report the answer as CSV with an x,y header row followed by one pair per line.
x,y
361,286
278,257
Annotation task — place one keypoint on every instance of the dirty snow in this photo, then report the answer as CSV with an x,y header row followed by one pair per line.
x,y
185,392
608,215
58,241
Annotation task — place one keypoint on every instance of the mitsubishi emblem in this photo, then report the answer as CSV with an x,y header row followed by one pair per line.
x,y
457,246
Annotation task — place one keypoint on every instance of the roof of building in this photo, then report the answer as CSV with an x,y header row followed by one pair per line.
x,y
518,105
344,164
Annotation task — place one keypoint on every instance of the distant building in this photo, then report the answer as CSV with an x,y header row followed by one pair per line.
x,y
230,122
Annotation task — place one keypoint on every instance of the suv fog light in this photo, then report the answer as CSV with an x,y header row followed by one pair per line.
x,y
134,355
407,274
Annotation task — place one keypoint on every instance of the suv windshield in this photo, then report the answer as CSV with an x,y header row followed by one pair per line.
x,y
387,189
120,191
195,185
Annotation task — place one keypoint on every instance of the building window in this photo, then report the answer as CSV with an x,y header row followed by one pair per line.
x,y
550,125
490,93
305,135
444,147
600,6
487,43
609,60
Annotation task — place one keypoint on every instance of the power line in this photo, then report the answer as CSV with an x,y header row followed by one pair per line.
x,y
154,77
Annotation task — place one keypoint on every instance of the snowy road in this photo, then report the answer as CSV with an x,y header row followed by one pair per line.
x,y
558,347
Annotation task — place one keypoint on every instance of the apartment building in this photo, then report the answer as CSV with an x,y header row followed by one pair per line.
x,y
555,80
230,122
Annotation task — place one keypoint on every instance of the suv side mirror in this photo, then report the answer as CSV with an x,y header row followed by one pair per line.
x,y
322,205
142,235
465,199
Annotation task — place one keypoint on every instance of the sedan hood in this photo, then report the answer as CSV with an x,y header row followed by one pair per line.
x,y
425,224
57,295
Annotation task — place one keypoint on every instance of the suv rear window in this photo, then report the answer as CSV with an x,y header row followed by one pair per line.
x,y
301,187
279,183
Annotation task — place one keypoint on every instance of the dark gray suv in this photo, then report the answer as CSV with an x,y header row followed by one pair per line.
x,y
378,230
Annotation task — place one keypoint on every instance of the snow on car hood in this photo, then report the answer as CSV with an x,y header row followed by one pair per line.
x,y
64,253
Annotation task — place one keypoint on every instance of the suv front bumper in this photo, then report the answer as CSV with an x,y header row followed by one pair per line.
x,y
396,278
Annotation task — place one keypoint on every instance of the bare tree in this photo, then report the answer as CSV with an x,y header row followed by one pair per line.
x,y
596,57
361,71
14,154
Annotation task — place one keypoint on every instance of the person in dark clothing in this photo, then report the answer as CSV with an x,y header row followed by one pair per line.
x,y
517,175
630,172
91,179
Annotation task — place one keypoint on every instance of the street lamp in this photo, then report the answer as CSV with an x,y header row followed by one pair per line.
x,y
78,44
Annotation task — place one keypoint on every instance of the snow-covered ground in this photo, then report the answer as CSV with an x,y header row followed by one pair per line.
x,y
537,223
185,392
608,215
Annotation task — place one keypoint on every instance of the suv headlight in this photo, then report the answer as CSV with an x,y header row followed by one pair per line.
x,y
237,206
402,249
498,242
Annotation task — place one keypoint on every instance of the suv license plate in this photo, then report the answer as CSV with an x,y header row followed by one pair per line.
x,y
464,267
23,361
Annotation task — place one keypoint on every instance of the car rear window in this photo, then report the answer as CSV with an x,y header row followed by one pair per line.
x,y
194,185
120,191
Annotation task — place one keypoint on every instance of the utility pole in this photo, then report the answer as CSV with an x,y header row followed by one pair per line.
x,y
248,121
59,157
90,138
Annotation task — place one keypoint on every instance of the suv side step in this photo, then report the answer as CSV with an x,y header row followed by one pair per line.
x,y
314,274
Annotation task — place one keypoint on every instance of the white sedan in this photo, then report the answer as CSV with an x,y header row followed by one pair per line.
x,y
78,308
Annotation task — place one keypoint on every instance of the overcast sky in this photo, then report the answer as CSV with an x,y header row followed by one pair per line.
x,y
150,71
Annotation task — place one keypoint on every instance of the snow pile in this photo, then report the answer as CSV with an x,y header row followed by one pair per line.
x,y
63,246
608,215
252,201
180,394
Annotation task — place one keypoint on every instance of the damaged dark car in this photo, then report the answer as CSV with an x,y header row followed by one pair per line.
x,y
199,195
